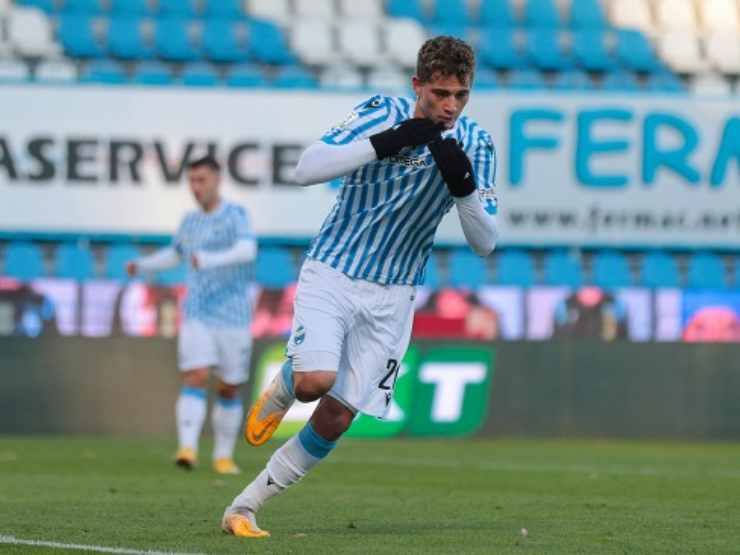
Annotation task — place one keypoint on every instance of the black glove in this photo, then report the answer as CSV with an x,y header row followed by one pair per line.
x,y
454,165
411,132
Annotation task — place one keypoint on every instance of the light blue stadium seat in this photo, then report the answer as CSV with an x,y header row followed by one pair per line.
x,y
659,269
275,268
221,42
452,12
292,77
496,13
621,80
545,50
526,79
665,82
78,38
498,49
562,269
173,41
515,267
180,8
610,270
153,73
467,270
245,75
485,79
73,261
48,6
454,29
635,52
406,8
116,258
590,52
431,273
228,9
200,74
24,261
132,7
85,7
587,14
267,43
173,276
541,13
573,80
107,72
126,39
706,271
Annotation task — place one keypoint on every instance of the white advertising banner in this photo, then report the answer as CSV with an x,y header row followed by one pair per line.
x,y
572,169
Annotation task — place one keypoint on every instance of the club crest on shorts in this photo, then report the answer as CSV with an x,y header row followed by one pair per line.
x,y
300,335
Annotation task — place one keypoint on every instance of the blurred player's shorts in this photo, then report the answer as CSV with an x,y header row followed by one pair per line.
x,y
227,350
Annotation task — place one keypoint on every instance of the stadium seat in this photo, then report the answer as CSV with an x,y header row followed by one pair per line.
x,y
173,41
274,268
541,13
680,50
498,49
107,72
706,271
273,10
78,37
526,79
293,77
515,267
411,9
562,269
131,7
126,39
178,8
573,80
546,51
675,16
467,270
48,6
587,14
389,80
24,261
360,43
30,34
74,261
226,9
620,80
84,7
659,269
223,42
366,10
153,73
456,12
267,43
631,14
610,270
590,52
199,74
245,75
496,13
56,72
485,79
723,52
341,77
710,84
403,38
313,42
116,258
323,9
635,52
720,16
457,30
431,273
665,82
14,71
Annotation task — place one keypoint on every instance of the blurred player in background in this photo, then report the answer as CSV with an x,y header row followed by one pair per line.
x,y
217,243
405,164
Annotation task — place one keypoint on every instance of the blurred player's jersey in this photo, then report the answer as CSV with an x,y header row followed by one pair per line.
x,y
216,296
383,223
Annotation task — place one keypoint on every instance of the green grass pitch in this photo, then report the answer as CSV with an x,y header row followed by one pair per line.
x,y
398,496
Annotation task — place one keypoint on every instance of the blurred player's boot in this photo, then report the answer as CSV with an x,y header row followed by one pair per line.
x,y
186,458
242,525
268,411
226,466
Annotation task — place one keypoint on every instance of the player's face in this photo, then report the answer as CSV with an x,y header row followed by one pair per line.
x,y
204,186
442,98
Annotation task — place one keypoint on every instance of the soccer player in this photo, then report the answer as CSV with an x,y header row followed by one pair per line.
x,y
405,164
218,243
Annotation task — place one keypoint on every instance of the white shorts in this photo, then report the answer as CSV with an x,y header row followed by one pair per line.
x,y
357,328
226,349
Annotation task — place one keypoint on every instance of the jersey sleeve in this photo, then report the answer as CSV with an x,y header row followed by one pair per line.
x,y
242,225
367,118
484,169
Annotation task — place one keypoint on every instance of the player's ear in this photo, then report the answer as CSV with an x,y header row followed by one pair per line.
x,y
416,83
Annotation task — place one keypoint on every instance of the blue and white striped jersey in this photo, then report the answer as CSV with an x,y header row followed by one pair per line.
x,y
216,296
383,222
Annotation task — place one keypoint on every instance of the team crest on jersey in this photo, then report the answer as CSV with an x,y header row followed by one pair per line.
x,y
300,335
374,102
408,161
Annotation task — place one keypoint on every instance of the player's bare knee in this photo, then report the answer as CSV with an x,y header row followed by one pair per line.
x,y
309,386
332,418
196,378
227,391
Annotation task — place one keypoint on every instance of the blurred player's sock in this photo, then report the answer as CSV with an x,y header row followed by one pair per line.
x,y
226,419
268,411
191,412
286,466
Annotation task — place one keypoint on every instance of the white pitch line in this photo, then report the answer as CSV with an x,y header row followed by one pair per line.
x,y
12,540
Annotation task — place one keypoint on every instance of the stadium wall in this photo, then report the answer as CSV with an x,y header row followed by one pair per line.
x,y
127,386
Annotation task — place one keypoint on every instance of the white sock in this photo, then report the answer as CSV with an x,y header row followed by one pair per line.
x,y
287,466
191,412
226,419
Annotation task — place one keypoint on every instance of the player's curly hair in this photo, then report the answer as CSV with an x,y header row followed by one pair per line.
x,y
446,55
